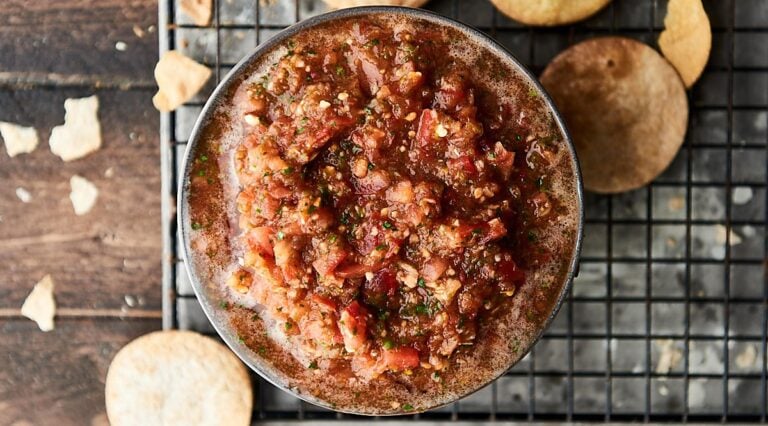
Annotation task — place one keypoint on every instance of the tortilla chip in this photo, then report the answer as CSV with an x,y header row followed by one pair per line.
x,y
178,79
199,10
40,306
83,195
549,13
80,134
687,38
181,377
341,4
18,139
625,107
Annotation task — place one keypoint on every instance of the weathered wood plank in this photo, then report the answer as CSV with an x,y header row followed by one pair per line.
x,y
77,39
58,377
109,258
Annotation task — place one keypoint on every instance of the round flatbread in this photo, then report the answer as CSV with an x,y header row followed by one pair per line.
x,y
625,107
341,4
177,378
687,38
549,13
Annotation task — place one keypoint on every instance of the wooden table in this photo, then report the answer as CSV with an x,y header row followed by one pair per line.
x,y
106,264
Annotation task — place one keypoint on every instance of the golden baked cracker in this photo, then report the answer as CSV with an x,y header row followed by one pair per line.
x,y
83,194
549,13
687,38
177,378
199,10
18,139
341,4
625,107
40,305
178,79
80,135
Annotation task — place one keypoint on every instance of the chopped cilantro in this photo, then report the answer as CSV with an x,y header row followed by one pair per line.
x,y
374,42
203,158
407,407
332,238
387,344
477,231
518,138
280,235
387,225
224,304
421,282
381,246
421,309
196,226
262,350
288,170
312,208
299,130
313,365
356,149
371,166
288,325
201,173
340,71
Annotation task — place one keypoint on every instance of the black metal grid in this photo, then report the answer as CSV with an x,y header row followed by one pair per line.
x,y
590,384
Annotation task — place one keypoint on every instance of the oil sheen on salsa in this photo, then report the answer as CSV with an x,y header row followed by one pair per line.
x,y
388,201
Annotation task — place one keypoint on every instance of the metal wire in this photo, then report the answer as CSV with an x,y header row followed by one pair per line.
x,y
538,375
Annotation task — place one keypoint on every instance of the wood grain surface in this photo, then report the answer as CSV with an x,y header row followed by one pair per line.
x,y
106,264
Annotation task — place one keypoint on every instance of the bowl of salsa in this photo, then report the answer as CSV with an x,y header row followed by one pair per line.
x,y
380,210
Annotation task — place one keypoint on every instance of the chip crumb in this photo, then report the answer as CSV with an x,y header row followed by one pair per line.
x,y
23,195
83,195
18,139
109,173
178,79
741,195
669,356
40,306
80,134
199,10
121,46
138,31
747,358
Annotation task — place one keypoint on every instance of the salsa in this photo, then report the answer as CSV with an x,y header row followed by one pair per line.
x,y
388,200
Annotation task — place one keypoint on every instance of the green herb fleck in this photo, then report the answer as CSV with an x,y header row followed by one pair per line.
x,y
224,304
196,226
288,170
332,238
387,344
421,309
421,282
299,130
340,71
387,225
203,158
288,325
312,208
477,231
262,350
374,42
313,365
201,173
371,166
407,407
280,235
518,138
381,246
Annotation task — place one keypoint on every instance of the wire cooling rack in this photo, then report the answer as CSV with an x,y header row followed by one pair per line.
x,y
668,318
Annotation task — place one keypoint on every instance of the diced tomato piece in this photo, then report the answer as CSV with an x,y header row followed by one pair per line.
x,y
380,289
329,261
510,275
372,183
401,358
425,134
463,163
324,303
485,232
352,325
258,240
433,268
357,270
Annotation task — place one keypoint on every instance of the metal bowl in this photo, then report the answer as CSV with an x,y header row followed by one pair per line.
x,y
207,252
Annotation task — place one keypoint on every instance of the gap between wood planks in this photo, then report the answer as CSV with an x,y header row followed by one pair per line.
x,y
27,80
88,313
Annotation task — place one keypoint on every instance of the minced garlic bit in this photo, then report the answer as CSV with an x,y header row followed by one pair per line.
x,y
251,119
40,306
342,96
411,116
324,104
441,131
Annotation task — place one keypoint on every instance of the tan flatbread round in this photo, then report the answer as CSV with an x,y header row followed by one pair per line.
x,y
687,38
177,378
625,107
549,13
341,4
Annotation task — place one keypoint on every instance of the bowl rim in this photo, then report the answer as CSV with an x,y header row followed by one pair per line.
x,y
219,321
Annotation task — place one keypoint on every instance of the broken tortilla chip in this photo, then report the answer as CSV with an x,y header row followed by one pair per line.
x,y
40,306
199,10
181,377
625,107
549,13
83,195
18,139
178,79
341,4
687,38
80,134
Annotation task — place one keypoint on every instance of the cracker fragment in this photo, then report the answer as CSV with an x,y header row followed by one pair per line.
x,y
23,195
83,195
177,378
341,4
625,107
687,38
80,134
40,306
18,139
549,13
178,79
199,10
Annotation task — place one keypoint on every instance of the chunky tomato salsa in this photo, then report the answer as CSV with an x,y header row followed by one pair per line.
x,y
389,199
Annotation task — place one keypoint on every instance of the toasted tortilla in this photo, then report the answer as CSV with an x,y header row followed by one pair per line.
x,y
177,378
341,4
625,107
18,139
199,10
40,306
547,13
687,38
178,79
80,134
